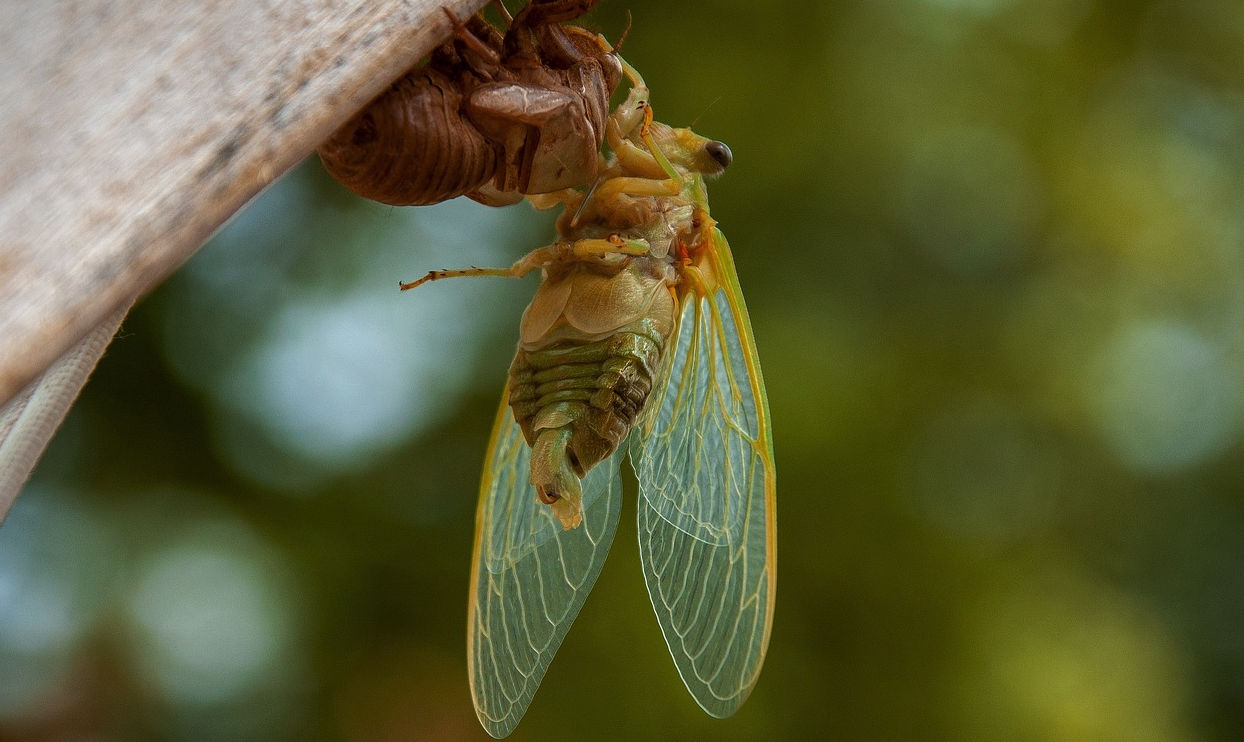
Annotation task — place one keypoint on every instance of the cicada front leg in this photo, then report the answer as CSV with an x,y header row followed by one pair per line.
x,y
639,173
632,113
568,197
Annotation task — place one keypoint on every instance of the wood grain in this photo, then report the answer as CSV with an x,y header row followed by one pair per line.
x,y
134,128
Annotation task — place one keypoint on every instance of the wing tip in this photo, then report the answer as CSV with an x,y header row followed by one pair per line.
x,y
721,708
496,730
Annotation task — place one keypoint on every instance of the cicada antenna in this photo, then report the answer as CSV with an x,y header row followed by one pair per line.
x,y
622,39
701,113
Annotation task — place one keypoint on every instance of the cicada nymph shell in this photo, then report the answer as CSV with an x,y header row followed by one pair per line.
x,y
412,146
492,117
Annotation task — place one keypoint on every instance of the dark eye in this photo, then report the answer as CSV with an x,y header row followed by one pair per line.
x,y
720,153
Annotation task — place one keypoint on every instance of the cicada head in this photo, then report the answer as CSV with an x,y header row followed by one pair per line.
x,y
690,152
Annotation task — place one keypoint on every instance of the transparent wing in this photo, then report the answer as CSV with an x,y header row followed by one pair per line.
x,y
706,506
529,576
28,421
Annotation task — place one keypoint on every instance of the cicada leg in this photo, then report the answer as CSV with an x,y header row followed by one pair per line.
x,y
470,41
567,197
506,19
613,245
634,112
649,174
525,265
667,167
629,114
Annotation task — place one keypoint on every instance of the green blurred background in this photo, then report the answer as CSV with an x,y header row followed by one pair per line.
x,y
994,254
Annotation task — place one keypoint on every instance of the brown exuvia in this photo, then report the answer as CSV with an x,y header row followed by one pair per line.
x,y
491,116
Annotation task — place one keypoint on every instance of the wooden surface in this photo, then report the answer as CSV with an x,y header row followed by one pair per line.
x,y
134,128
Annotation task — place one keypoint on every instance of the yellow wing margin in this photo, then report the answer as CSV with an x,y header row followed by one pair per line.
x,y
529,577
707,506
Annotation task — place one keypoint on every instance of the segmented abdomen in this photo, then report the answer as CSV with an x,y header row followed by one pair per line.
x,y
411,146
587,394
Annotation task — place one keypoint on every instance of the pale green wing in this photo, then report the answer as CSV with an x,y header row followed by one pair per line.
x,y
529,576
704,462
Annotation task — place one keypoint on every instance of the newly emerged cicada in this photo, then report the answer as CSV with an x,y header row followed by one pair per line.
x,y
491,117
637,341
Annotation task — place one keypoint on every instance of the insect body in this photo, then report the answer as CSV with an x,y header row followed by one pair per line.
x,y
490,117
639,333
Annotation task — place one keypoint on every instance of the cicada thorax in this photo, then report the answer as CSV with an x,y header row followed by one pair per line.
x,y
591,348
490,116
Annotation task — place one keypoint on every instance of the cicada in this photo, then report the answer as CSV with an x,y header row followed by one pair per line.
x,y
637,342
490,117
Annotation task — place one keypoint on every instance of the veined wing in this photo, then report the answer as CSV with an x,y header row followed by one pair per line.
x,y
706,509
529,576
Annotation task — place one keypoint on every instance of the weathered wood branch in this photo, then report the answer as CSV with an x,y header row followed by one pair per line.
x,y
134,128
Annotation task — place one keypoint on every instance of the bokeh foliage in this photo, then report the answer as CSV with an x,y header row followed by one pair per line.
x,y
994,253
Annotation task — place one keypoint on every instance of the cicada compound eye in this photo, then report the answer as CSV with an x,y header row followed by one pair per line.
x,y
720,153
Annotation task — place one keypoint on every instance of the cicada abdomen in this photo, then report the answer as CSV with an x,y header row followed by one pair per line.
x,y
491,117
590,349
